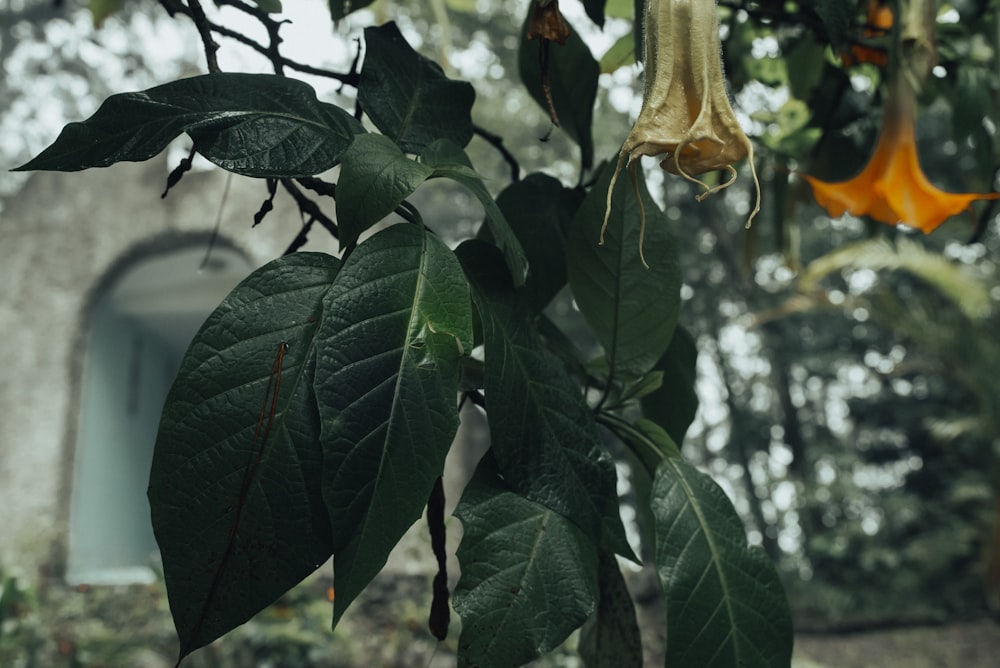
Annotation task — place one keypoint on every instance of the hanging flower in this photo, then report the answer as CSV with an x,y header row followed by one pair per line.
x,y
686,115
877,27
892,188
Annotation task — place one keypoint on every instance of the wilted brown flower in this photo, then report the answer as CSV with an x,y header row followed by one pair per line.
x,y
548,23
686,115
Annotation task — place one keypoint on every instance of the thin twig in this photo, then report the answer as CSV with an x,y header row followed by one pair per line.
x,y
309,208
197,14
301,238
272,26
318,186
352,78
496,141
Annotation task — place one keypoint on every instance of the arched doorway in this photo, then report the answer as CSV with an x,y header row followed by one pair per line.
x,y
140,325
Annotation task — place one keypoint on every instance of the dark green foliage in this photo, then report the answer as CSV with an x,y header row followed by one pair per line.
x,y
540,209
531,577
632,309
723,597
314,410
394,325
673,406
408,97
251,124
238,512
544,438
571,73
610,638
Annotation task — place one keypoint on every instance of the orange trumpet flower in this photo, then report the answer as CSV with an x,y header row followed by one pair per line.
x,y
877,26
892,188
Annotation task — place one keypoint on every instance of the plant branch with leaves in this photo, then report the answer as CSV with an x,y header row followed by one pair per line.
x,y
313,411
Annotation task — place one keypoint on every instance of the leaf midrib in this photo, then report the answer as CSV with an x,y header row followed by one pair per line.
x,y
713,549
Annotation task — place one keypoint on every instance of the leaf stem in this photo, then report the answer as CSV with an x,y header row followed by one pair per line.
x,y
197,14
308,207
496,141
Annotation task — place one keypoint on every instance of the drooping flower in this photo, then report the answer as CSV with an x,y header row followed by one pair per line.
x,y
686,115
892,188
877,27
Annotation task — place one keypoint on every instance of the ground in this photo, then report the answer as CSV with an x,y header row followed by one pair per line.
x,y
960,645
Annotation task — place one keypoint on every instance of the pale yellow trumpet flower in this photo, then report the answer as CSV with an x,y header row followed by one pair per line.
x,y
686,115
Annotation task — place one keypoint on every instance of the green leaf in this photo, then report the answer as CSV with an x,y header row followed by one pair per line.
x,y
451,162
674,404
539,208
544,436
397,320
621,53
253,124
529,576
836,16
341,8
240,519
595,10
632,309
725,604
573,74
375,178
643,387
610,638
646,440
408,97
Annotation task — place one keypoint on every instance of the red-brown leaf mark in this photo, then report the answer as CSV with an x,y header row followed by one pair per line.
x,y
440,616
268,409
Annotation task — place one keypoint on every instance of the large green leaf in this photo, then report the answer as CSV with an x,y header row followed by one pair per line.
x,y
408,97
539,209
451,162
543,434
725,604
240,518
633,309
397,320
529,576
374,179
341,8
674,404
253,124
610,638
572,75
